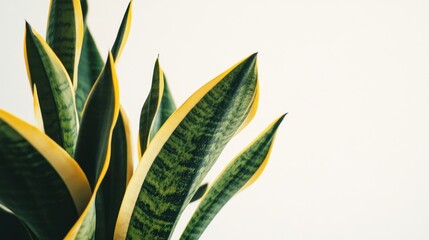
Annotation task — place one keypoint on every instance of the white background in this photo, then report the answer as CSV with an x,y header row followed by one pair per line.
x,y
351,160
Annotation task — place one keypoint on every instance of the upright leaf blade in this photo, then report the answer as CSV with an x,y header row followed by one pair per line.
x,y
114,184
54,91
65,33
90,63
39,181
183,151
93,151
123,32
156,109
90,66
241,172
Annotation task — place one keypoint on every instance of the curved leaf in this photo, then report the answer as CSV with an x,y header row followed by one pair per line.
x,y
123,32
93,149
183,151
90,63
65,33
115,182
90,66
159,105
241,172
39,182
54,91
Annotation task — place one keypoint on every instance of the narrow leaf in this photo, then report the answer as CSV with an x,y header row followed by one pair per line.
x,y
183,151
123,32
39,182
152,116
54,91
65,33
115,182
90,66
90,63
241,172
93,149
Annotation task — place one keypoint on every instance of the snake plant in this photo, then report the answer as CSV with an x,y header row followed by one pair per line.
x,y
73,177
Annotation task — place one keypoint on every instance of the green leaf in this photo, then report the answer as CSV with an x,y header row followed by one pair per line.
x,y
90,63
93,149
159,105
241,172
183,151
90,66
54,91
123,32
10,225
39,182
115,182
65,33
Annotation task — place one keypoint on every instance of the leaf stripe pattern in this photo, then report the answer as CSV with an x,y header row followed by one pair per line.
x,y
241,172
54,90
173,169
65,33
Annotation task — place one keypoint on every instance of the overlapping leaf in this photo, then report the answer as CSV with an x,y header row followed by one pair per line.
x,y
93,149
39,181
183,151
90,63
241,172
65,33
54,91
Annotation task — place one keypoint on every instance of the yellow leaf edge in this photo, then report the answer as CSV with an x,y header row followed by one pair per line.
x,y
156,145
67,168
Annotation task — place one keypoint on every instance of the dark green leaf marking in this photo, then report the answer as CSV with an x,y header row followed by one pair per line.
x,y
54,91
232,179
189,153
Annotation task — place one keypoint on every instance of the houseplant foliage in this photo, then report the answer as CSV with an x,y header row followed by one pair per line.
x,y
73,177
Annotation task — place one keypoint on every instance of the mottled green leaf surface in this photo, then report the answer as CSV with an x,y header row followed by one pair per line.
x,y
235,176
190,151
54,90
65,33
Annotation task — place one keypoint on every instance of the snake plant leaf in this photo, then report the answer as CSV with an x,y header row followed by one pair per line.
x,y
39,181
65,33
123,32
90,66
54,91
200,192
183,151
159,105
91,63
10,225
113,187
241,172
93,149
